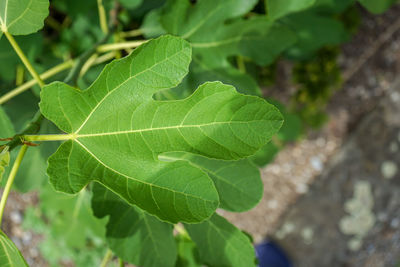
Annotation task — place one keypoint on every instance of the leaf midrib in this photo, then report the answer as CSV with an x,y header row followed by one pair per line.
x,y
76,136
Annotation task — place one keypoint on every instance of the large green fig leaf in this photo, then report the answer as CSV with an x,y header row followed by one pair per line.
x,y
9,253
116,130
238,182
311,29
221,244
257,38
133,234
21,17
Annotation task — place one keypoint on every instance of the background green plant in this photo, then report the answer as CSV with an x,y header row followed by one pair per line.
x,y
236,42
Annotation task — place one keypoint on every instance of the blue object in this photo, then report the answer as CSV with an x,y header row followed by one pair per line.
x,y
270,254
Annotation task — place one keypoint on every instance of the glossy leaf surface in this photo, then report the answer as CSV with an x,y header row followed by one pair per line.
x,y
117,131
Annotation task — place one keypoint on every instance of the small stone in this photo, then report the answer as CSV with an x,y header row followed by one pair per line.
x,y
288,227
16,217
388,169
302,188
382,217
307,234
395,97
395,223
316,163
26,238
393,147
34,252
354,244
273,204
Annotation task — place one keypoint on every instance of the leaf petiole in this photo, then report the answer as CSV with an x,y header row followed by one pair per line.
x,y
10,179
48,137
102,16
133,33
53,71
106,258
24,59
119,46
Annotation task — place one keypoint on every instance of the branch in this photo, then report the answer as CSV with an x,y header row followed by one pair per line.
x,y
44,76
24,59
10,180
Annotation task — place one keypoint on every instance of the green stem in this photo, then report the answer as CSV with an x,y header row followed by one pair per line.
x,y
133,33
119,46
266,7
45,75
51,72
240,63
10,180
24,59
19,77
102,16
106,258
48,137
181,230
33,127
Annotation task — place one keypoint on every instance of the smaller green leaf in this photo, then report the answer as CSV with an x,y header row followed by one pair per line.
x,y
22,17
238,182
265,155
9,253
311,30
151,26
132,234
280,8
377,6
221,244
